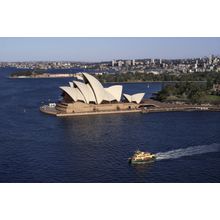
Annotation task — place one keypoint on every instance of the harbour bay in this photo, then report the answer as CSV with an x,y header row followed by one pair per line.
x,y
39,148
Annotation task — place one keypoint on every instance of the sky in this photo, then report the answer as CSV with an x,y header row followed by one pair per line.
x,y
105,49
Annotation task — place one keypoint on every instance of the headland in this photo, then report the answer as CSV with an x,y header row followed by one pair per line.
x,y
87,96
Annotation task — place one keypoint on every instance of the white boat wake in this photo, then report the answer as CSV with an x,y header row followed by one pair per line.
x,y
189,151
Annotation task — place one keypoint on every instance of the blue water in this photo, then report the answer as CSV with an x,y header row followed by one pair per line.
x,y
35,147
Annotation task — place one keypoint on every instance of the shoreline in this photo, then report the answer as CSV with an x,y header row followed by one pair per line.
x,y
44,76
52,110
157,82
125,82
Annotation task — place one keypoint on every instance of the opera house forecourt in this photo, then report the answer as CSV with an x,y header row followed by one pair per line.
x,y
87,96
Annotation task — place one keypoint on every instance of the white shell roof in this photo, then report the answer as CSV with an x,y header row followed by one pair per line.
x,y
91,94
96,86
93,91
134,98
74,93
108,96
70,91
71,84
115,91
83,89
128,97
79,95
137,97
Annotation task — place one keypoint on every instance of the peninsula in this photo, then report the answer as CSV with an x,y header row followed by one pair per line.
x,y
89,97
39,74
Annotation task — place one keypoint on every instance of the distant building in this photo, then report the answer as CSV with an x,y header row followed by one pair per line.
x,y
128,62
119,63
215,61
210,59
216,88
113,63
196,64
133,62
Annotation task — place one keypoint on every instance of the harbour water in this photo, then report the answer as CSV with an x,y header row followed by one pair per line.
x,y
35,147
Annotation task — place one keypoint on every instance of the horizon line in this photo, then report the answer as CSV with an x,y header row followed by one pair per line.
x,y
157,58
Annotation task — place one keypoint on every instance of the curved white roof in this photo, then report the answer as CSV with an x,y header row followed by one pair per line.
x,y
70,91
96,86
108,96
91,93
86,91
137,97
79,95
79,77
83,89
127,97
71,84
134,98
115,91
74,93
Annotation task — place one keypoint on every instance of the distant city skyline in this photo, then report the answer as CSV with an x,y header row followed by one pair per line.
x,y
105,49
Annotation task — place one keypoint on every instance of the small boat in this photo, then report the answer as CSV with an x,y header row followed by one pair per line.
x,y
141,157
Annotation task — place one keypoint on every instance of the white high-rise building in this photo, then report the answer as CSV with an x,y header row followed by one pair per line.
x,y
133,62
113,63
119,63
196,64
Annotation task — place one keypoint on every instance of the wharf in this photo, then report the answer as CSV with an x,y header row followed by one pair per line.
x,y
171,108
52,111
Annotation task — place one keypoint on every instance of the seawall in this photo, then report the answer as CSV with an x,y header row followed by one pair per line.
x,y
52,110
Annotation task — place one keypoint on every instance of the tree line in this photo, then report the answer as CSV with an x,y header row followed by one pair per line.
x,y
211,77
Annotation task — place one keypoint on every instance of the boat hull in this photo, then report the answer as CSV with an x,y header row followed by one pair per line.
x,y
132,161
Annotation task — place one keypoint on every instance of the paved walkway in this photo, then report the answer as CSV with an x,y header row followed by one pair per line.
x,y
147,107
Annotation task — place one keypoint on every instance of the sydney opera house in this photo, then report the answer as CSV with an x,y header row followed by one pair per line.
x,y
87,95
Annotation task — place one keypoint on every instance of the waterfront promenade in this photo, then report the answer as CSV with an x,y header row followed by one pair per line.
x,y
148,106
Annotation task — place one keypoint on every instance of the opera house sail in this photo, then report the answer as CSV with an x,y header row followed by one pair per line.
x,y
87,95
